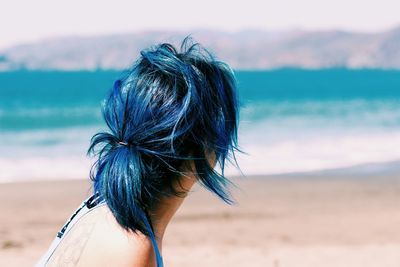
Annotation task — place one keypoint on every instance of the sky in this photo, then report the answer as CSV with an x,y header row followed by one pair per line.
x,y
29,21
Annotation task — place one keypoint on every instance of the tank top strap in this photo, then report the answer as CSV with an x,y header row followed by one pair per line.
x,y
86,206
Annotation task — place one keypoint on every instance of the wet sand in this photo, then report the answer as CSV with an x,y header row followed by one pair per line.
x,y
278,221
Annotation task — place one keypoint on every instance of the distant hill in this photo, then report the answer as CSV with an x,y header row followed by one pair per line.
x,y
243,50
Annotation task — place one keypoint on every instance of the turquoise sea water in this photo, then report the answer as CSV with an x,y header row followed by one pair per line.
x,y
292,120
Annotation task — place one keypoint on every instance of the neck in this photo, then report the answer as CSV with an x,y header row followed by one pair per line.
x,y
162,214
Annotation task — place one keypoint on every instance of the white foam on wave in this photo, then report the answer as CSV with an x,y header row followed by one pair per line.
x,y
47,154
288,155
280,138
279,152
44,168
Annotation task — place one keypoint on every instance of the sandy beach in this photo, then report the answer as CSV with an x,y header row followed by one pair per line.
x,y
279,221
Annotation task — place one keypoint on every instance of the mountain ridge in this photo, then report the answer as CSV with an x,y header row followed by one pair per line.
x,y
246,50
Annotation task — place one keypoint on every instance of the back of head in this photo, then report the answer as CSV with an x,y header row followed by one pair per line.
x,y
170,109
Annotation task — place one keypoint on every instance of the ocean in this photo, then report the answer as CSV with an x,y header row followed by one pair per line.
x,y
291,121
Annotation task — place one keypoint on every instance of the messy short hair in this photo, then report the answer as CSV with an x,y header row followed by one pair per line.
x,y
170,108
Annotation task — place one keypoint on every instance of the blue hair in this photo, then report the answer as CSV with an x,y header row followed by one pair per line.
x,y
169,109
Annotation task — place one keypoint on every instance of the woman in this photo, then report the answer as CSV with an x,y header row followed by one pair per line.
x,y
172,117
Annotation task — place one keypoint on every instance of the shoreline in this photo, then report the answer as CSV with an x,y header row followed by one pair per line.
x,y
29,170
369,169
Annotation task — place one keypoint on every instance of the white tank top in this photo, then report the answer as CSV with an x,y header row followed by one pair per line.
x,y
87,206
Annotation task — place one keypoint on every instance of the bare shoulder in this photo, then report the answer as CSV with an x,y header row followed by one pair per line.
x,y
110,245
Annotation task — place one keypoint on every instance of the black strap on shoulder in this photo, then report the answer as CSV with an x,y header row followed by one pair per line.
x,y
90,203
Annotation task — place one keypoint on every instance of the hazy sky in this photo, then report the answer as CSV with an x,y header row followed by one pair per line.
x,y
22,21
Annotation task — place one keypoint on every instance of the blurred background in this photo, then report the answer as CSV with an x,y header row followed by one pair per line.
x,y
319,87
